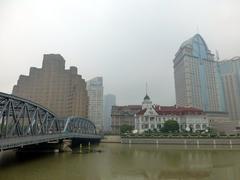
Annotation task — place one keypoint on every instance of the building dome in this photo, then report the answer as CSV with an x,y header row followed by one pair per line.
x,y
146,97
147,103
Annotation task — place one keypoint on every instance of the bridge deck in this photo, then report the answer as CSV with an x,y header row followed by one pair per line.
x,y
16,142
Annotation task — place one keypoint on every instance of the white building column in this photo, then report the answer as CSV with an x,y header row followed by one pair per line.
x,y
136,122
194,127
149,124
140,124
155,123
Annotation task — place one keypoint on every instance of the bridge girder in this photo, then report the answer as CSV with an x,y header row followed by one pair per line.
x,y
20,117
78,125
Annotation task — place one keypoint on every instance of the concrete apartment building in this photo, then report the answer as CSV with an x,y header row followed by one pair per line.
x,y
197,79
230,73
122,115
95,105
109,101
60,90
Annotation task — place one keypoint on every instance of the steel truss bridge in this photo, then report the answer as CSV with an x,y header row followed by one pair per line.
x,y
24,123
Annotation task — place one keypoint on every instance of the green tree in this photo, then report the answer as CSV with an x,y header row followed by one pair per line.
x,y
170,126
126,128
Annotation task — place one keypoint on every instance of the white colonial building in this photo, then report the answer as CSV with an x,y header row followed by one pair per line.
x,y
153,117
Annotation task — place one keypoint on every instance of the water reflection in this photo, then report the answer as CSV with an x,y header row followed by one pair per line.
x,y
123,162
149,163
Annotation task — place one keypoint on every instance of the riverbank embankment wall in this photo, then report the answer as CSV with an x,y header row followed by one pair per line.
x,y
168,141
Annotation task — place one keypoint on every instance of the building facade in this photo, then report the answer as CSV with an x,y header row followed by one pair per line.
x,y
95,105
60,90
123,115
197,79
109,101
154,116
230,74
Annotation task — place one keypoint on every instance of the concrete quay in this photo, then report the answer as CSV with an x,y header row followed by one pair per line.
x,y
111,139
177,141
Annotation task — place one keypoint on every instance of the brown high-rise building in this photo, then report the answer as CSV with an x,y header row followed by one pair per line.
x,y
62,91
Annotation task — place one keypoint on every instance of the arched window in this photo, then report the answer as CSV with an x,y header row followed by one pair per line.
x,y
204,126
198,126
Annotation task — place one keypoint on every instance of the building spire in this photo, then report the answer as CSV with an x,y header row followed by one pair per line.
x,y
146,88
146,96
197,29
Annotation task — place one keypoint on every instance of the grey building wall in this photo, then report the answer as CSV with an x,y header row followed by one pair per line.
x,y
123,115
109,101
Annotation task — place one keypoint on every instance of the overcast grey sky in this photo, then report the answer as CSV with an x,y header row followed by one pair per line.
x,y
128,42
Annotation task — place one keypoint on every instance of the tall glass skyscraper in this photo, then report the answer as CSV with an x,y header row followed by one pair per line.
x,y
197,78
109,101
95,103
230,74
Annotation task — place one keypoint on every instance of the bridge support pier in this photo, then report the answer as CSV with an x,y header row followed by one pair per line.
x,y
84,142
66,146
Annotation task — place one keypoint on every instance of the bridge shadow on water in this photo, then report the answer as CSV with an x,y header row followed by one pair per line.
x,y
14,158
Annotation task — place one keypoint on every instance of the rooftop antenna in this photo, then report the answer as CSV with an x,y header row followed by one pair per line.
x,y
217,55
197,30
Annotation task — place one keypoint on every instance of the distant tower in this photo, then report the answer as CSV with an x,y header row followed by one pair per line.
x,y
95,106
230,77
109,101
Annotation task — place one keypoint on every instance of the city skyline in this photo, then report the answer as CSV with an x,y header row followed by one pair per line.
x,y
103,41
119,89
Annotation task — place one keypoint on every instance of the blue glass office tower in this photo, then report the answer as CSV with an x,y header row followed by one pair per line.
x,y
198,80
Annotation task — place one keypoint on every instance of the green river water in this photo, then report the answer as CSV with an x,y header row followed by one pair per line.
x,y
124,162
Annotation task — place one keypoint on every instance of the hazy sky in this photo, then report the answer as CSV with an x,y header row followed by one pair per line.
x,y
128,42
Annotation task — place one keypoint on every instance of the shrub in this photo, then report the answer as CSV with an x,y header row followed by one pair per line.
x,y
126,128
170,126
